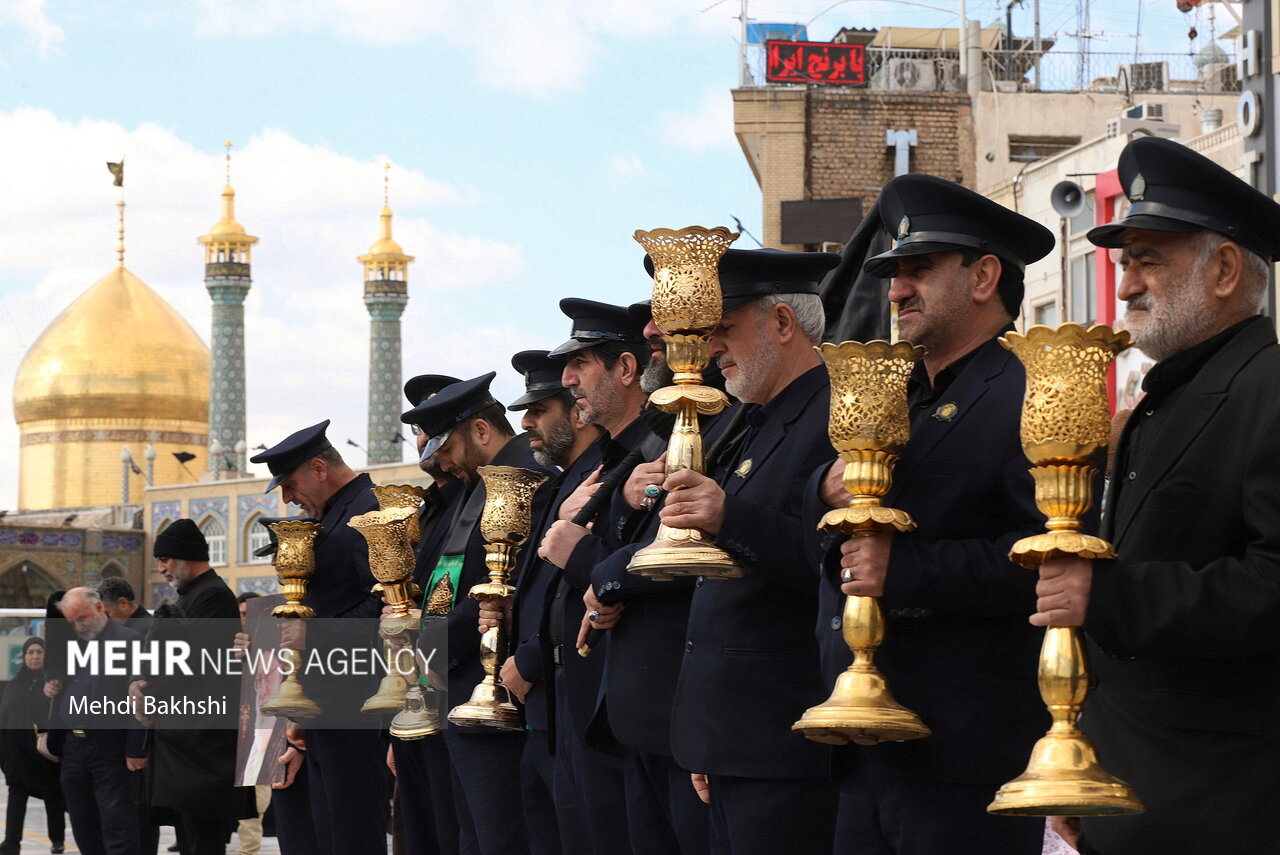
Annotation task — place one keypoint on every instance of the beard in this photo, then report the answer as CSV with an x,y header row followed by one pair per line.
x,y
604,405
556,442
754,377
1169,325
657,374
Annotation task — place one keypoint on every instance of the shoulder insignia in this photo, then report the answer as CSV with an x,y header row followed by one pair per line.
x,y
946,412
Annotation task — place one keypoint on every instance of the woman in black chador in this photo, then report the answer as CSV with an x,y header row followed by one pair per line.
x,y
24,715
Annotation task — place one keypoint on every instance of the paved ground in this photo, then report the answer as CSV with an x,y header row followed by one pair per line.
x,y
35,838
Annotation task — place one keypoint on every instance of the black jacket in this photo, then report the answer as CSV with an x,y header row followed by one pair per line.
x,y
1185,624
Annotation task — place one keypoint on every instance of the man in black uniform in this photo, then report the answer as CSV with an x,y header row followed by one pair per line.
x,y
1183,624
958,650
468,429
346,769
560,438
603,360
750,665
423,789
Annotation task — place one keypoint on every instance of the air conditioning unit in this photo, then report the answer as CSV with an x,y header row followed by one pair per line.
x,y
1146,76
1126,127
910,75
1147,111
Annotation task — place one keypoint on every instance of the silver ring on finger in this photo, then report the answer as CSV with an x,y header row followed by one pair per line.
x,y
648,502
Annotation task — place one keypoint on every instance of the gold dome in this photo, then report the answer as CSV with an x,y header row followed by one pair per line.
x,y
120,352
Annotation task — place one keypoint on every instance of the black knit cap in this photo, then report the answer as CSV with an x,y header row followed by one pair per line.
x,y
926,213
181,539
1174,189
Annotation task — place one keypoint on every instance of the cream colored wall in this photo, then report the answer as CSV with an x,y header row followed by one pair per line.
x,y
770,125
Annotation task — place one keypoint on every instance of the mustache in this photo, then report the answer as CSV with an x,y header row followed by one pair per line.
x,y
1140,301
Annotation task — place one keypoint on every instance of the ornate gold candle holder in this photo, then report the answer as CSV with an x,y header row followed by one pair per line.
x,y
869,427
1065,428
295,565
391,534
505,523
686,307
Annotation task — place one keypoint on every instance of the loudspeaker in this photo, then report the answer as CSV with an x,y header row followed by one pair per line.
x,y
1067,198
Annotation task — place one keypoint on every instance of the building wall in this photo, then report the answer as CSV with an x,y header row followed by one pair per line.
x,y
236,505
848,155
75,462
1083,115
41,559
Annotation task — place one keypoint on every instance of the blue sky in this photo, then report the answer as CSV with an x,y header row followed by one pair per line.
x,y
528,140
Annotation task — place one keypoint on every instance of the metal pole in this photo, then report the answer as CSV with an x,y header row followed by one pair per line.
x,y
744,73
964,43
1039,55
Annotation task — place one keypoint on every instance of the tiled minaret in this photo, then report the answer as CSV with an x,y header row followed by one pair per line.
x,y
226,276
386,293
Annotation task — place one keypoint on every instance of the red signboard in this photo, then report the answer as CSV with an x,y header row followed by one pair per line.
x,y
816,62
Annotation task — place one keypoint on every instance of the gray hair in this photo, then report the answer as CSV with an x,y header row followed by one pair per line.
x,y
1253,279
810,316
90,596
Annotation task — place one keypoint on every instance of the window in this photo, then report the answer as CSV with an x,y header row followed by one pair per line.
x,y
216,533
1031,149
1045,313
256,537
1083,301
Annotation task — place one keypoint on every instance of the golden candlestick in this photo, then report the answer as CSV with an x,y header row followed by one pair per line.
x,y
414,704
1065,428
686,307
869,427
391,534
295,565
505,523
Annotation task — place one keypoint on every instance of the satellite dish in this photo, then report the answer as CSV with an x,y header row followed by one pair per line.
x,y
1067,198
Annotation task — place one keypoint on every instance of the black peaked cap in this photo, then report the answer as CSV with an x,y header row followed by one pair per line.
x,y
541,377
418,389
1174,189
293,451
749,274
930,214
440,414
595,323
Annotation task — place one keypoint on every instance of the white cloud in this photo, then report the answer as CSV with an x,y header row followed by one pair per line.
x,y
314,211
534,47
707,125
32,19
626,165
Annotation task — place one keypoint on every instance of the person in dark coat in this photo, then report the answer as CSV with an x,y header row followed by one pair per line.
x,y
558,437
1182,626
467,428
119,601
958,650
346,765
24,716
192,768
99,751
750,665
